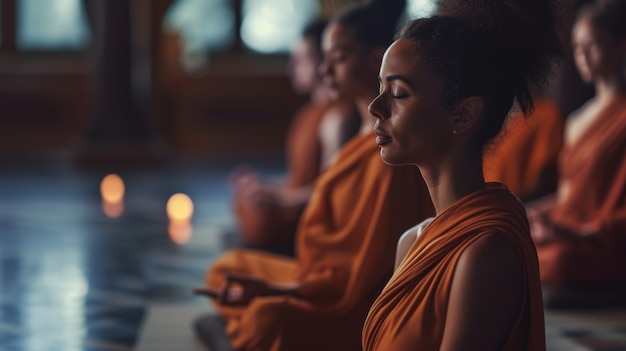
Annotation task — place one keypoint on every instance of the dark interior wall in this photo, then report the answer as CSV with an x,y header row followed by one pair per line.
x,y
228,111
239,103
44,102
49,101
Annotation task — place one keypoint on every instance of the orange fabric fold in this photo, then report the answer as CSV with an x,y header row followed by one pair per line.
x,y
345,247
410,313
591,197
525,158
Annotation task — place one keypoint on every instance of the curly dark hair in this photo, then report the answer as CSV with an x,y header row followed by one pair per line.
x,y
489,49
375,22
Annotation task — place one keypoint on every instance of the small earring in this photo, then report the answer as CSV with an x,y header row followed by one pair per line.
x,y
454,132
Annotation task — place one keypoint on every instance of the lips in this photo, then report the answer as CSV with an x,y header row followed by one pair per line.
x,y
382,137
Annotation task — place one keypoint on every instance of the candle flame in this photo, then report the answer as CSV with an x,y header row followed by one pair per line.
x,y
179,208
112,188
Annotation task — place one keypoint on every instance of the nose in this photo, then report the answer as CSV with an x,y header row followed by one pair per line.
x,y
377,108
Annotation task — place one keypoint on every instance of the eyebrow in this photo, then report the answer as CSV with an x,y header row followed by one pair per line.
x,y
393,77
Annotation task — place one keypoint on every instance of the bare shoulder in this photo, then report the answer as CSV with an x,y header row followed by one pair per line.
x,y
486,294
341,109
339,123
339,114
493,244
491,256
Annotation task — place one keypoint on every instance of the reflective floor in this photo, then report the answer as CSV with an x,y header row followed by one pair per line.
x,y
77,274
73,277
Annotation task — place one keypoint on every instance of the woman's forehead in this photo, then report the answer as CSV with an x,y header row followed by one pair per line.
x,y
339,35
402,54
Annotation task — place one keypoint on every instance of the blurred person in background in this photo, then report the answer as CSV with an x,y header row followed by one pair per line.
x,y
346,238
580,231
267,211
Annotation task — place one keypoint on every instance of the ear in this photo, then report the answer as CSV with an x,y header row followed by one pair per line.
x,y
466,114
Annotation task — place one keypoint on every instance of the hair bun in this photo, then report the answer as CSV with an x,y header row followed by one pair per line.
x,y
523,34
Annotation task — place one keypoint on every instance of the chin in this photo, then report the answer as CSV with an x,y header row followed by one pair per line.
x,y
390,159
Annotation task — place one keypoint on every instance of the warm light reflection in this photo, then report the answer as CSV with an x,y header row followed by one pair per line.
x,y
180,232
113,209
112,188
179,208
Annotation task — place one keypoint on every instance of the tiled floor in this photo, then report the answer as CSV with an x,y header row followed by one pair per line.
x,y
72,278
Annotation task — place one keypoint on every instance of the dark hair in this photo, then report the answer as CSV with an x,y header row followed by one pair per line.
x,y
488,50
375,23
314,32
609,15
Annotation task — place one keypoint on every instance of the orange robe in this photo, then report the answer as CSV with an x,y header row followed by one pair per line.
x,y
276,226
410,313
345,251
591,197
526,152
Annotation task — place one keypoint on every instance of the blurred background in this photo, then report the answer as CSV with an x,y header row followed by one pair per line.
x,y
162,77
166,95
153,77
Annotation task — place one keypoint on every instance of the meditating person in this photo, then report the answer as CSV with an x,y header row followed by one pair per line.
x,y
347,234
267,211
467,279
525,152
580,232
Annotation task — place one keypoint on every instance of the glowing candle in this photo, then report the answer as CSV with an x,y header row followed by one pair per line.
x,y
179,211
112,188
179,208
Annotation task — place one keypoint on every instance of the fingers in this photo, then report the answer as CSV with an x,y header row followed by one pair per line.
x,y
235,278
233,296
206,292
241,289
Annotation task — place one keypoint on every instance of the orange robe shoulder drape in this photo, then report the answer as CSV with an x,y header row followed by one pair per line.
x,y
526,154
410,313
345,251
277,226
591,197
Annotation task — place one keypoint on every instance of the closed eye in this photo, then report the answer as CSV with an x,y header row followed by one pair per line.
x,y
399,96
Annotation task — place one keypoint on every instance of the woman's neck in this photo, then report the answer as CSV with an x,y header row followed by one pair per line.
x,y
608,88
319,93
450,180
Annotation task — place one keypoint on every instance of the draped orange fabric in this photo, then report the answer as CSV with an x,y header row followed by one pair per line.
x,y
276,226
525,158
591,197
345,251
410,313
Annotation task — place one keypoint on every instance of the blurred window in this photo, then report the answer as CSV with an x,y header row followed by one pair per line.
x,y
420,8
267,26
273,26
51,25
203,25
